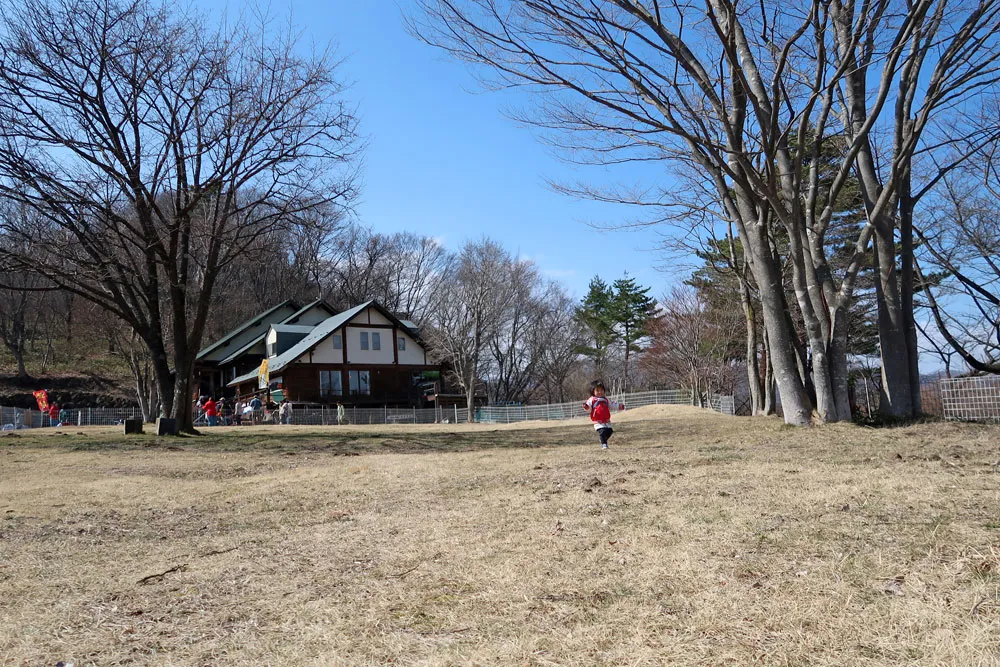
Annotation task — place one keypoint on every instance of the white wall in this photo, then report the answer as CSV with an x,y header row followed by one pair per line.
x,y
413,354
324,353
270,341
376,318
355,355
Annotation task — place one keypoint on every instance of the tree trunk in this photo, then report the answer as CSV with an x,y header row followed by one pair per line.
x,y
781,341
22,371
470,398
753,368
164,376
770,404
895,399
906,205
183,413
806,293
838,363
753,371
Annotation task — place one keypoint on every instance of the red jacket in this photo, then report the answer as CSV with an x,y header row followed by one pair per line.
x,y
600,409
209,408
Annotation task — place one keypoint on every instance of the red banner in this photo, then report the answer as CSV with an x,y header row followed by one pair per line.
x,y
43,400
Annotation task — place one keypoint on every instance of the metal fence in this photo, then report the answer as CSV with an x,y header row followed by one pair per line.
x,y
972,399
16,418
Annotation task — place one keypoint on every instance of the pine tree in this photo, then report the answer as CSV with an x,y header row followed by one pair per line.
x,y
632,308
596,314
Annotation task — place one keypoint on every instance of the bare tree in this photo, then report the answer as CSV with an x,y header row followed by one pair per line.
x,y
557,337
510,372
693,346
155,148
401,271
959,244
136,354
751,98
467,312
20,315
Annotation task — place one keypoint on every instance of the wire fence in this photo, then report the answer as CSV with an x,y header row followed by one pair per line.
x,y
17,418
972,398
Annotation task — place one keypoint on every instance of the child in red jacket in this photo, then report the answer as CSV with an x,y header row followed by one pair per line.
x,y
600,409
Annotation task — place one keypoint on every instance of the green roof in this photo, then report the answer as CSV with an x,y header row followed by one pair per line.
x,y
253,321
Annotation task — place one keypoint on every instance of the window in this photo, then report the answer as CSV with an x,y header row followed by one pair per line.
x,y
330,384
376,340
360,383
364,340
338,342
401,344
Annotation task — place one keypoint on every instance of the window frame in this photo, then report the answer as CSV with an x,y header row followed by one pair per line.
x,y
354,380
330,390
364,340
338,341
376,341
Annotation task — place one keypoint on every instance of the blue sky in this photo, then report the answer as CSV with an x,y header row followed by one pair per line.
x,y
444,161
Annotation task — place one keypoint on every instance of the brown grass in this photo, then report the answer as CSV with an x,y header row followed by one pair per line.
x,y
696,540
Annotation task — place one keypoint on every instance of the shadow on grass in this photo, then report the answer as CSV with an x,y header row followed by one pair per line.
x,y
337,443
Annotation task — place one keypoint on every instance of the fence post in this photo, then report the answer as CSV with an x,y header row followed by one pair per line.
x,y
456,412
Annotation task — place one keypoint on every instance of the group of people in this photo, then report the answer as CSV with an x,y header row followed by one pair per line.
x,y
59,415
254,410
233,411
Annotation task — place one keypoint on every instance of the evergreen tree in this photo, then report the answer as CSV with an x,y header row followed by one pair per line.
x,y
597,314
632,308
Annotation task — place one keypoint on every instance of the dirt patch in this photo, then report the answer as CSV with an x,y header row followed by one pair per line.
x,y
66,389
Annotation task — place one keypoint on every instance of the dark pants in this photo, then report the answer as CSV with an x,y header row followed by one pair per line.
x,y
604,434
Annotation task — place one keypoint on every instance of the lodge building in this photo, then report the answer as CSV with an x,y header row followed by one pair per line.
x,y
362,356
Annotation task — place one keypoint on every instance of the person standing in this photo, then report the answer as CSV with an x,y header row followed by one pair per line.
x,y
54,415
211,412
257,408
341,414
285,412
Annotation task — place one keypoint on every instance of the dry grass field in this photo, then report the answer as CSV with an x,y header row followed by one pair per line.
x,y
696,540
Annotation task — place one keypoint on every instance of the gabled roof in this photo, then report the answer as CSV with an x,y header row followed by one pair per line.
x,y
318,333
304,309
283,327
243,350
253,321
